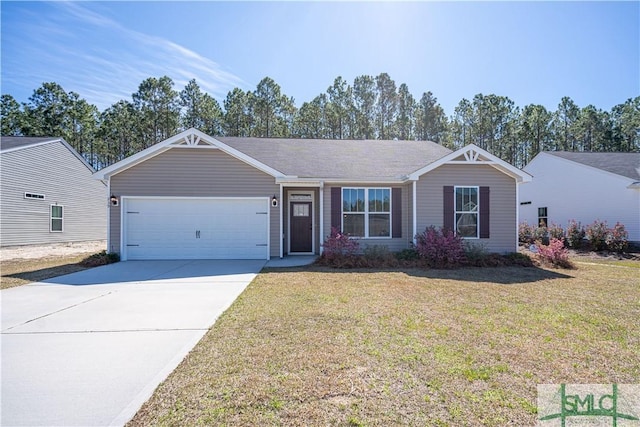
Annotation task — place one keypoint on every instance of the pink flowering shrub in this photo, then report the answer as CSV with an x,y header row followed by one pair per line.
x,y
597,235
338,248
617,238
554,254
440,248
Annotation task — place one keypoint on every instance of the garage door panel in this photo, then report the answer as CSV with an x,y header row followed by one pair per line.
x,y
196,228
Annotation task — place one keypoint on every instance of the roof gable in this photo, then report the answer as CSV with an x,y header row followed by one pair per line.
x,y
10,144
623,164
191,138
14,143
474,155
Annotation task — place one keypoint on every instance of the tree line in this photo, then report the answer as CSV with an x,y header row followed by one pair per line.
x,y
370,108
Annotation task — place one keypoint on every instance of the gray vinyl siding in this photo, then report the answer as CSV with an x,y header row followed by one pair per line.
x,y
49,169
188,172
394,244
502,201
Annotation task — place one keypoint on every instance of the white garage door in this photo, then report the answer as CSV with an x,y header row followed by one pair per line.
x,y
186,228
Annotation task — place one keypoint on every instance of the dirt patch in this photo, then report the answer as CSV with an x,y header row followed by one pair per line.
x,y
52,250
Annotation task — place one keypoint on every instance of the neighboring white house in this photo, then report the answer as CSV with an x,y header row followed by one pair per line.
x,y
48,194
584,187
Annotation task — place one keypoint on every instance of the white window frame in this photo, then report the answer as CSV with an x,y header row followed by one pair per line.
x,y
51,218
456,211
366,212
545,216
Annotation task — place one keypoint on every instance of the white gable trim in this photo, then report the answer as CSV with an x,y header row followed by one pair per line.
x,y
190,138
474,155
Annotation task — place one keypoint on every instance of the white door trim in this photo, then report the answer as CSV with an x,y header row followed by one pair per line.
x,y
311,193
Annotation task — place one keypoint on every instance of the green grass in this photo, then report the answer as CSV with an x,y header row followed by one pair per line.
x,y
364,348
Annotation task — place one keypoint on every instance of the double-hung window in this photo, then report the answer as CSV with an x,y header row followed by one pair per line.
x,y
542,217
466,205
56,218
366,212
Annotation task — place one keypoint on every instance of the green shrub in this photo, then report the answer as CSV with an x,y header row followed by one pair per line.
x,y
475,252
407,255
519,259
556,232
575,234
100,258
541,234
597,235
525,233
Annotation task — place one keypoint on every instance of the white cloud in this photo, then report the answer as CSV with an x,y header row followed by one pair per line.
x,y
103,61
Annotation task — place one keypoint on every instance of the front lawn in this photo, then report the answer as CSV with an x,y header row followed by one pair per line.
x,y
459,347
18,272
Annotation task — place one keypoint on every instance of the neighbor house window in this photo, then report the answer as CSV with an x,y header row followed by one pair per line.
x,y
466,211
542,217
366,212
56,218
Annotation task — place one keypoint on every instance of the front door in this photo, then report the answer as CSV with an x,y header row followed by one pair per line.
x,y
301,227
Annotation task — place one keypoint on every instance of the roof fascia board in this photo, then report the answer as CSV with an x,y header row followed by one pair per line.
x,y
37,144
169,143
317,181
612,174
496,162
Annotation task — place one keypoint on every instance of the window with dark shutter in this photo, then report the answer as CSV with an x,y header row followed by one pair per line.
x,y
336,207
449,208
396,212
484,212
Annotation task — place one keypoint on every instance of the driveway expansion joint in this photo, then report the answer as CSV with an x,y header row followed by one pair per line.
x,y
57,311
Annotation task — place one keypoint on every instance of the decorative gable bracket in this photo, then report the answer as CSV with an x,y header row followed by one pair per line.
x,y
192,140
471,155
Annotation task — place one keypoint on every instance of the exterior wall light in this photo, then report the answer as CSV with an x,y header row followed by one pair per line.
x,y
274,201
113,200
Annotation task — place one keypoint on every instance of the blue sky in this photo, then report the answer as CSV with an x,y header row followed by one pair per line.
x,y
532,52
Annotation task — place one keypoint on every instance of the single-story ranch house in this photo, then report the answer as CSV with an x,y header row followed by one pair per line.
x,y
48,193
584,187
194,196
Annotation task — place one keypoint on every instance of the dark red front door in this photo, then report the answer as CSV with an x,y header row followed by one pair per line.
x,y
301,227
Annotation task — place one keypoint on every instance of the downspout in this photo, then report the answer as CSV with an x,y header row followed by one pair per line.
x,y
415,214
281,224
109,249
517,213
321,215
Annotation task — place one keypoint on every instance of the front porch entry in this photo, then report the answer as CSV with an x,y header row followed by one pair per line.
x,y
301,221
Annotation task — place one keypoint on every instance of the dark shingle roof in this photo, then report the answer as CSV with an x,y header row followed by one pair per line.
x,y
341,159
12,142
623,164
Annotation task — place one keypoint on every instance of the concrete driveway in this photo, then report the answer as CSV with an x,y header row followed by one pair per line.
x,y
89,348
